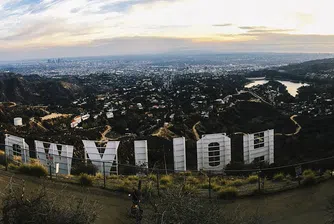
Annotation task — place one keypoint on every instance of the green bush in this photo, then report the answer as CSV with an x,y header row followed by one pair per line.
x,y
2,158
113,177
85,179
205,186
148,189
279,177
36,170
288,177
99,176
309,179
228,193
235,183
152,177
124,186
186,173
192,180
189,189
328,174
12,166
133,177
308,172
215,187
166,180
82,167
218,180
252,179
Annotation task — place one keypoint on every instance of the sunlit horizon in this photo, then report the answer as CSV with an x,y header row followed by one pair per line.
x,y
38,28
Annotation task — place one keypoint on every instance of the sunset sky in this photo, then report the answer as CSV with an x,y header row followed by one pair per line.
x,y
59,28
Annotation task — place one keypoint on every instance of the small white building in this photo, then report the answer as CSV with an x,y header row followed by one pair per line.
x,y
85,117
110,115
18,121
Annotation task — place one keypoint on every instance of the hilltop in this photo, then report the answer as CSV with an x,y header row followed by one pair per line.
x,y
36,90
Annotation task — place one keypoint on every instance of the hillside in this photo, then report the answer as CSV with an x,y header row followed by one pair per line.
x,y
316,70
36,90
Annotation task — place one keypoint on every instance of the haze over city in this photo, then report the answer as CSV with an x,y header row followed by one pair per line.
x,y
59,28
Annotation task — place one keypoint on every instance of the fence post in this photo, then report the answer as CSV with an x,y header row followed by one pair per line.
x,y
259,180
6,161
50,168
158,183
104,175
209,185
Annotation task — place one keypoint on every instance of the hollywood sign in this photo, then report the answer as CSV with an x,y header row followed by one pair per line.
x,y
213,152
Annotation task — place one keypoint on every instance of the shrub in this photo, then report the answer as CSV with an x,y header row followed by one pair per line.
x,y
192,180
36,170
133,177
2,158
215,187
308,172
252,179
204,186
309,179
152,177
228,193
288,177
166,180
85,179
235,183
186,173
278,177
148,189
123,186
40,207
218,180
88,168
328,174
189,189
113,177
12,166
99,176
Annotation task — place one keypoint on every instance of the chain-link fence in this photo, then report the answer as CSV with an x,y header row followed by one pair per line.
x,y
125,177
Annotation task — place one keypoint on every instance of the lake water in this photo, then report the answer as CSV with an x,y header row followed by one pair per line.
x,y
292,87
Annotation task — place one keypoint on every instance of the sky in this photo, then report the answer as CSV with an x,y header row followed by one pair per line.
x,y
70,28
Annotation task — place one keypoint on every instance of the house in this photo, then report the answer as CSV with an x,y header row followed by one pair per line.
x,y
110,115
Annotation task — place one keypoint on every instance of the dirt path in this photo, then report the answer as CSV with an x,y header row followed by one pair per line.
x,y
305,205
103,135
39,124
292,118
195,131
13,104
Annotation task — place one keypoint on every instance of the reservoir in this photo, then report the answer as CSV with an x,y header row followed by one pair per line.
x,y
292,87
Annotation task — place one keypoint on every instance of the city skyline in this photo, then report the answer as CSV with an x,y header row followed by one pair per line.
x,y
59,28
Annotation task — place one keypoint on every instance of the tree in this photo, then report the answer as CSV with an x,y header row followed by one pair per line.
x,y
177,205
42,207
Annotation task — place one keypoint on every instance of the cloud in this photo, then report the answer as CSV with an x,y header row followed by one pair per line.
x,y
49,24
223,24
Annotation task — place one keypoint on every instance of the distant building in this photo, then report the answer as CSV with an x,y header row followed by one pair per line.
x,y
110,115
18,121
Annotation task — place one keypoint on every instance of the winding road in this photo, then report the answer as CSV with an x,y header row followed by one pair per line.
x,y
103,135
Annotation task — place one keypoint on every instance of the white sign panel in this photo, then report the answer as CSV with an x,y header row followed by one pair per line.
x,y
104,157
213,152
259,147
179,151
141,154
16,146
49,154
